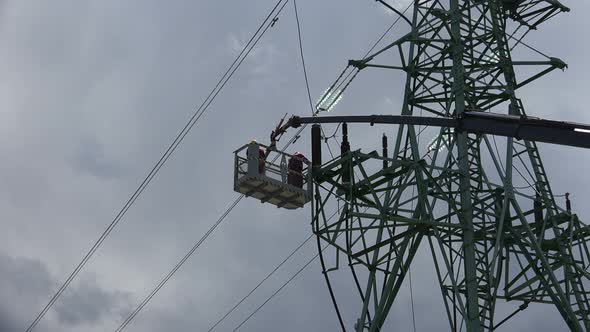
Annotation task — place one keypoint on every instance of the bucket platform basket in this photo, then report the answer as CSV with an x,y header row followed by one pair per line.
x,y
278,178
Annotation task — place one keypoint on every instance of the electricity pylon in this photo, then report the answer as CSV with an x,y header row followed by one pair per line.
x,y
484,210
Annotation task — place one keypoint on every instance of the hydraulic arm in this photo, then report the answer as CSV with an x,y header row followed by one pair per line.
x,y
519,127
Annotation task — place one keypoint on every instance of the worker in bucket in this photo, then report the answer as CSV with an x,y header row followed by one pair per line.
x,y
295,166
261,158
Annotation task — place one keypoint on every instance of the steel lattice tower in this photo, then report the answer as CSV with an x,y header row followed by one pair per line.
x,y
459,195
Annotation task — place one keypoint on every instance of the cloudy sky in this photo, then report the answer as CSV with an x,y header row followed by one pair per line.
x,y
91,94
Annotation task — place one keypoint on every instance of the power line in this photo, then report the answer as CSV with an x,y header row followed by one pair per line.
x,y
401,15
177,266
204,237
313,111
265,278
278,290
176,142
302,57
271,273
193,249
388,29
336,86
301,129
260,283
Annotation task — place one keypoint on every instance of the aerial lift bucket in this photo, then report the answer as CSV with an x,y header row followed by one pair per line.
x,y
257,174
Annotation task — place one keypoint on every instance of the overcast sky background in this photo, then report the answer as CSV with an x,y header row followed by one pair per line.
x,y
91,94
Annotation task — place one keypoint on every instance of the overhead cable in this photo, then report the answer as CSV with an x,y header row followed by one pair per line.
x,y
301,129
265,279
401,15
193,249
259,284
313,110
278,290
268,22
302,57
177,266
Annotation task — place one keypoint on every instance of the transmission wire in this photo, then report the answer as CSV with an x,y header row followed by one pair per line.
x,y
265,278
279,289
183,260
292,140
300,130
346,81
260,283
519,41
176,142
302,57
313,111
295,136
177,266
193,249
388,29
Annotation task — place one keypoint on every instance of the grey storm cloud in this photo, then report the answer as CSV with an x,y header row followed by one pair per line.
x,y
25,281
92,93
88,304
90,157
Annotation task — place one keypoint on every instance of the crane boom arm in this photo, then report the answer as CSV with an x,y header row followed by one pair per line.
x,y
519,127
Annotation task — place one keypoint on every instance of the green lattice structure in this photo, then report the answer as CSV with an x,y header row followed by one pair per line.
x,y
485,210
